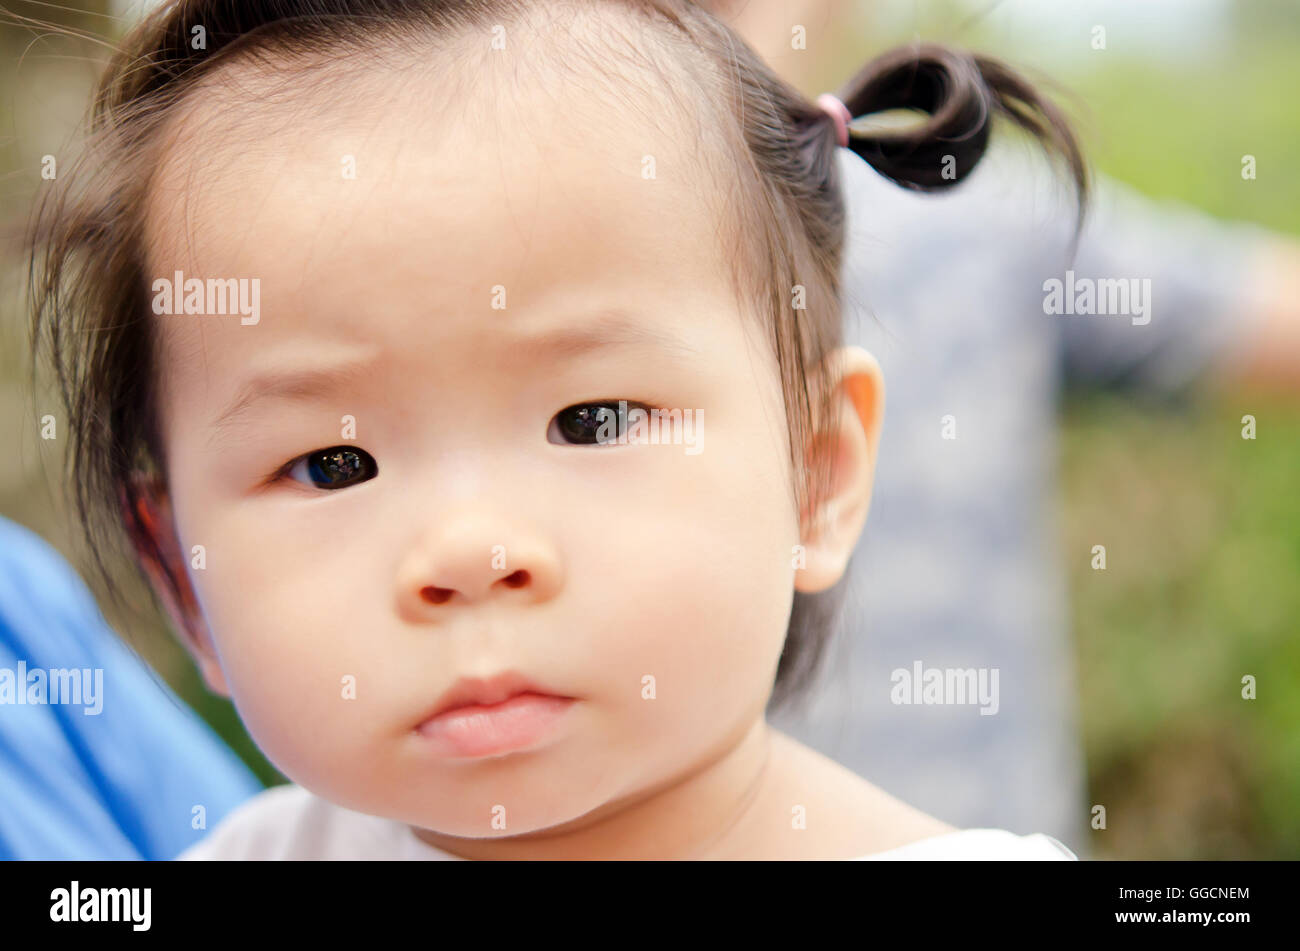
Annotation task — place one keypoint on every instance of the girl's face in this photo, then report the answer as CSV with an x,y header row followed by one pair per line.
x,y
474,278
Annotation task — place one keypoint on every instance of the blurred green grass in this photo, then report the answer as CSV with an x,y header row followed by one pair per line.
x,y
1202,536
1202,527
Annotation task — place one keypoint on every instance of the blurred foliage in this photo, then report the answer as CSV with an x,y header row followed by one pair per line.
x,y
1202,536
1185,134
1201,527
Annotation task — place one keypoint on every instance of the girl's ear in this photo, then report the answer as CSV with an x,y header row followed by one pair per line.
x,y
846,445
152,531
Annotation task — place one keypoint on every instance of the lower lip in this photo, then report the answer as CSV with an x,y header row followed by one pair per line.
x,y
503,727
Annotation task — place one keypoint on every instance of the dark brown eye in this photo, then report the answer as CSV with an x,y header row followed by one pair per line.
x,y
591,424
585,424
335,468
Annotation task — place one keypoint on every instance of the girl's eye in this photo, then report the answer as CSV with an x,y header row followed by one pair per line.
x,y
334,468
589,424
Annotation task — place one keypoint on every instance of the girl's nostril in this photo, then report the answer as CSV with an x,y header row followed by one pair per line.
x,y
435,595
517,579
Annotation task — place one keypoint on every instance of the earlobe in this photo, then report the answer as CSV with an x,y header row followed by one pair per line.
x,y
846,447
152,531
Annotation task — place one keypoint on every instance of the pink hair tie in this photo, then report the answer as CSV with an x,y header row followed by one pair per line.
x,y
840,113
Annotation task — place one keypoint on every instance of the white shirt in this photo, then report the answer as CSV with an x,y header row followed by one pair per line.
x,y
289,822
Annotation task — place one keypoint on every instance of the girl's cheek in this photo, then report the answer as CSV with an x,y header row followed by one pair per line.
x,y
285,648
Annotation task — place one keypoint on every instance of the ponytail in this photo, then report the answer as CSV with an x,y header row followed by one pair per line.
x,y
961,93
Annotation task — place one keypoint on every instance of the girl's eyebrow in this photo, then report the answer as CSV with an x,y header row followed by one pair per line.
x,y
303,383
612,329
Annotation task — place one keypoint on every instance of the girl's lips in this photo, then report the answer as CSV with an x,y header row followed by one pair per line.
x,y
494,729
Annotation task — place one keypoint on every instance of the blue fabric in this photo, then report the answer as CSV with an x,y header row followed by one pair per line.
x,y
118,784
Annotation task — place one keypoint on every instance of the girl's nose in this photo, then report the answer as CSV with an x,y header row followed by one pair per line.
x,y
465,564
437,595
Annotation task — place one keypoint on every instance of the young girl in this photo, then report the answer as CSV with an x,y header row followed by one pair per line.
x,y
468,380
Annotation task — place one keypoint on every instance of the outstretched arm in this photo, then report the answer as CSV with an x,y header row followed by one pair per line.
x,y
1271,356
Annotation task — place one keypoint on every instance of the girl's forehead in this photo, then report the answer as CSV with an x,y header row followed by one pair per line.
x,y
443,204
371,224
350,157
